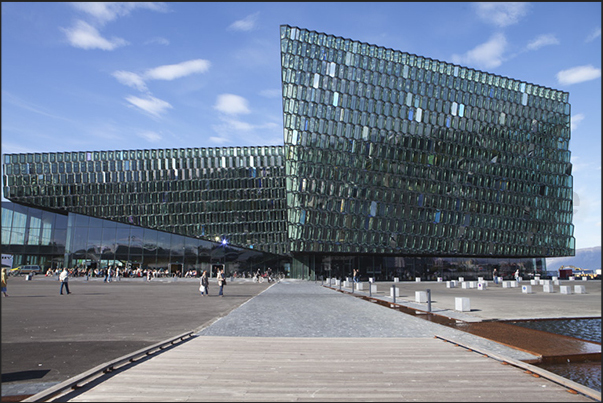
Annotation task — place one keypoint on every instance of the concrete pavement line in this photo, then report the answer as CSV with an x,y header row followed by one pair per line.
x,y
594,394
106,367
208,324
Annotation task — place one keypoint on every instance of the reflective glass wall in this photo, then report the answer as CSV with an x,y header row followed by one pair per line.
x,y
394,153
236,193
52,240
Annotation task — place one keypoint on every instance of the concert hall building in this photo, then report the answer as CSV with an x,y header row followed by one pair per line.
x,y
396,164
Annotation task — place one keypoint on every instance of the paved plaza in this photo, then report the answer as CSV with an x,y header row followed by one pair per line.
x,y
48,338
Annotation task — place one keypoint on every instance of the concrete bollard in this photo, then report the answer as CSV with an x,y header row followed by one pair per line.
x,y
420,296
439,279
579,289
584,278
462,304
465,284
373,288
394,292
396,279
555,278
506,284
534,282
346,284
461,279
555,282
472,284
482,285
513,284
418,279
565,289
480,279
450,284
359,286
526,289
548,288
572,278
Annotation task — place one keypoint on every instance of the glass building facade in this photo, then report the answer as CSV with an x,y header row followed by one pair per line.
x,y
53,240
393,163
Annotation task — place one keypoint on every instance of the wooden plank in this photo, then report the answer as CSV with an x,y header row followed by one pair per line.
x,y
322,369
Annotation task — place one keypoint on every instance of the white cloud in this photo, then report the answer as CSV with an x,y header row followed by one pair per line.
x,y
157,41
246,24
486,55
150,136
85,36
173,71
543,40
149,104
130,79
596,33
576,119
578,74
108,11
231,104
501,14
167,72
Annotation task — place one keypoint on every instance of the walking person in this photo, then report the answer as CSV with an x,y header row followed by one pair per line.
x,y
64,278
204,283
356,275
4,281
221,282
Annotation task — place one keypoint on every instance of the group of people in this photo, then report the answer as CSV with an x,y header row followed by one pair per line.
x,y
204,283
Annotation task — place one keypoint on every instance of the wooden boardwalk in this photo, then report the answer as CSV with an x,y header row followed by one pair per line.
x,y
208,368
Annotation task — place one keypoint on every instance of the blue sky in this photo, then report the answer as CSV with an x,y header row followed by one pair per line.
x,y
121,76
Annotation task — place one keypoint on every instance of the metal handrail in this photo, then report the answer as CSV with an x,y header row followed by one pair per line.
x,y
109,366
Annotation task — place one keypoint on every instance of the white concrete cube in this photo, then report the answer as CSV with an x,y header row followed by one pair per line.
x,y
462,304
555,278
439,279
371,280
346,284
461,279
584,278
579,289
481,285
572,278
514,284
480,279
555,282
565,289
465,284
394,290
373,288
534,282
506,284
548,288
526,289
337,282
536,277
541,282
418,279
472,284
450,284
420,296
396,279
359,286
